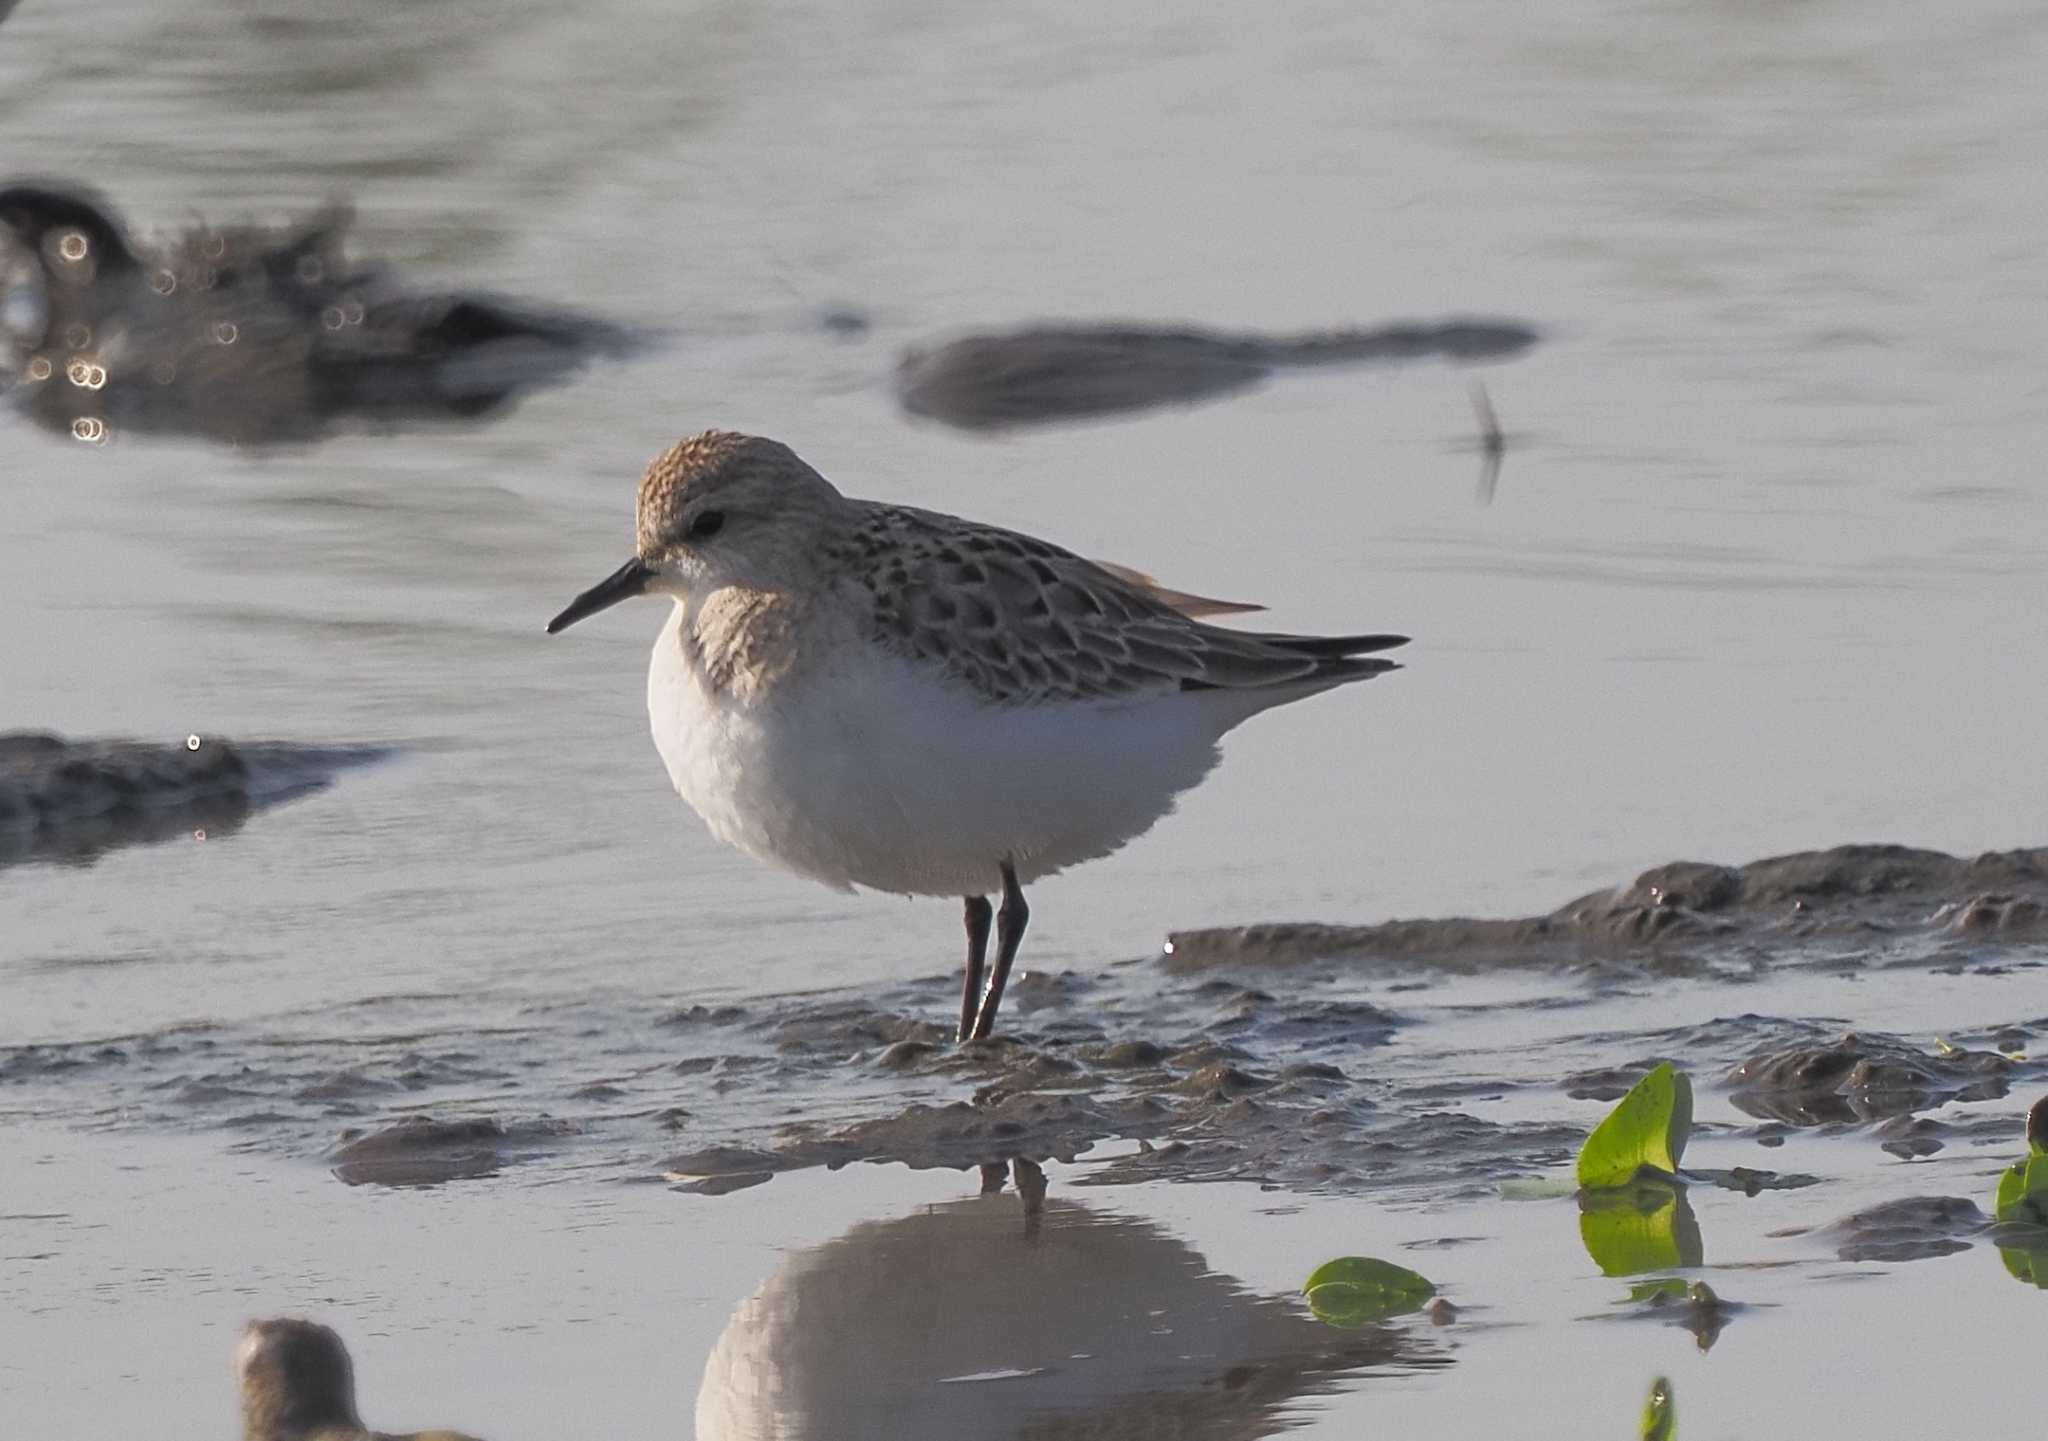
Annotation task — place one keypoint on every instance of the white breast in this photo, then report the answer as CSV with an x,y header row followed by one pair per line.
x,y
866,769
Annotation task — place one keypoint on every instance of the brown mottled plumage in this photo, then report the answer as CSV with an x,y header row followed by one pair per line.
x,y
1016,619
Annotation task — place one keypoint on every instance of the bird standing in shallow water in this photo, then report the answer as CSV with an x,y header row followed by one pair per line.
x,y
874,695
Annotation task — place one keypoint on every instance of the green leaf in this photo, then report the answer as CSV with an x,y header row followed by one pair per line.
x,y
1647,1129
2023,1193
2026,1264
1536,1188
1660,1413
1648,1226
1358,1290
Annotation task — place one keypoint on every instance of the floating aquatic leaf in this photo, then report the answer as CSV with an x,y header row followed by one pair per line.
x,y
1535,1188
1358,1290
1647,1129
2022,1204
1660,1413
2023,1192
2027,1263
2023,1189
1648,1226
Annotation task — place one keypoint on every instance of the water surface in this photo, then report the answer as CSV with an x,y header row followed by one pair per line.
x,y
1760,575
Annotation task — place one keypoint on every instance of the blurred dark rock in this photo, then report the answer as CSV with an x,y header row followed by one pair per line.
x,y
72,801
254,335
1044,374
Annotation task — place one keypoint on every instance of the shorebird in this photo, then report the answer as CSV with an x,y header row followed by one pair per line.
x,y
298,1385
874,695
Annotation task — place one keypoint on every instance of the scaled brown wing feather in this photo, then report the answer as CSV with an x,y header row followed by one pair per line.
x,y
1019,620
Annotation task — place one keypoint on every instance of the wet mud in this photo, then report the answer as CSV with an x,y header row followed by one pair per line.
x,y
1154,1069
1862,905
72,801
1914,1228
255,335
1046,374
423,1151
1865,1078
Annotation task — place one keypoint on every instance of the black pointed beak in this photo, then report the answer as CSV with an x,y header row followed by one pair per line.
x,y
624,583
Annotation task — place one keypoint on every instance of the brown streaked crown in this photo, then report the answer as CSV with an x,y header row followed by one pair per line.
x,y
709,463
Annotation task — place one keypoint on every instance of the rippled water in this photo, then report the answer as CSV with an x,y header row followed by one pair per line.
x,y
1762,573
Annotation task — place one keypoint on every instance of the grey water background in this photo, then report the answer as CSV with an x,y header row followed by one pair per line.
x,y
1764,570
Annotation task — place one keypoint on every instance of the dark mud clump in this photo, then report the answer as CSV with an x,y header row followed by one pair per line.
x,y
1916,1228
72,801
257,335
1049,373
422,1151
1693,918
1863,1078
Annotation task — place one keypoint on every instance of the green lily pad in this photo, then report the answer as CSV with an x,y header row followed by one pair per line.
x,y
1660,1413
1358,1290
1536,1188
1646,1130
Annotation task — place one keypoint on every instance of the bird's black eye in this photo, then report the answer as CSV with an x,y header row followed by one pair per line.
x,y
707,524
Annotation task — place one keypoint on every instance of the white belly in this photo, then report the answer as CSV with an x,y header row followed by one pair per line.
x,y
875,773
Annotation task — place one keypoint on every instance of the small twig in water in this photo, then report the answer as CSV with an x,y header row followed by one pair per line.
x,y
1493,443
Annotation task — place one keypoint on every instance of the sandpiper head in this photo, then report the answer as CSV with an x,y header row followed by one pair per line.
x,y
67,225
295,1377
718,509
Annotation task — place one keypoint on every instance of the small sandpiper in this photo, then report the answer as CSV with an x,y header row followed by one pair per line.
x,y
874,695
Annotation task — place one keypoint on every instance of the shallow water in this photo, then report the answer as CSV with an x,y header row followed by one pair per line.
x,y
1759,576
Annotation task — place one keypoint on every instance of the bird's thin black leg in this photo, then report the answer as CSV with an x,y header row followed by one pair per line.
x,y
1010,923
979,913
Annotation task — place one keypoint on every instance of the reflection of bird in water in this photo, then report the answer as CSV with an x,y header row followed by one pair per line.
x,y
298,1385
251,334
960,1323
1045,374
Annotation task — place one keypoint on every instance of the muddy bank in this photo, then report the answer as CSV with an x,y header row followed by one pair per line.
x,y
1873,904
72,800
1324,1079
1044,374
